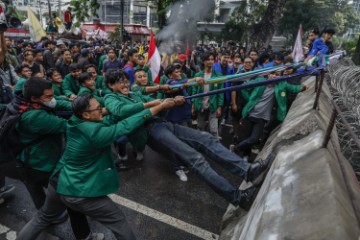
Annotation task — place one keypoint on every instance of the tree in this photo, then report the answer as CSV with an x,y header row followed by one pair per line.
x,y
83,9
262,32
332,13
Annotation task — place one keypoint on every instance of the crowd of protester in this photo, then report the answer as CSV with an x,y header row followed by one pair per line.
x,y
110,93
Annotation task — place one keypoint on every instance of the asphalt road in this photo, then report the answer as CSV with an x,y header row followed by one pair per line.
x,y
156,203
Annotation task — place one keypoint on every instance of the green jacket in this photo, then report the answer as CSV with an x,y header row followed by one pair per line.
x,y
142,89
70,85
101,86
20,84
122,107
95,93
87,167
41,124
216,100
280,89
101,63
57,91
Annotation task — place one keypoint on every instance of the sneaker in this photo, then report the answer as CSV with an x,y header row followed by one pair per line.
x,y
232,147
182,175
139,156
257,169
247,197
6,189
95,236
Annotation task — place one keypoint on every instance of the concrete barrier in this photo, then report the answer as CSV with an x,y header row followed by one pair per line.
x,y
310,192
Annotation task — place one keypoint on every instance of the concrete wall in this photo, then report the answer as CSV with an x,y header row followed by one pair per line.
x,y
305,194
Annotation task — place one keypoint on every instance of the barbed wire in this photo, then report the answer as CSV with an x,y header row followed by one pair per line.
x,y
344,84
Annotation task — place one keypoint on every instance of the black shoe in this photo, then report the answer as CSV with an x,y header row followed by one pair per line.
x,y
258,169
121,166
247,197
6,189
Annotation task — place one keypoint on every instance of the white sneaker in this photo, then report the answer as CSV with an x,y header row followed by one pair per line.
x,y
139,156
182,175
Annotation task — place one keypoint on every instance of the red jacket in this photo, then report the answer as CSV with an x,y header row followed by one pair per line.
x,y
67,16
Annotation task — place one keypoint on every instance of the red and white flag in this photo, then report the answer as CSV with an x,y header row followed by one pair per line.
x,y
154,60
298,53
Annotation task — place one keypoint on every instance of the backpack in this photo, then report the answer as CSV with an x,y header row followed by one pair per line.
x,y
10,143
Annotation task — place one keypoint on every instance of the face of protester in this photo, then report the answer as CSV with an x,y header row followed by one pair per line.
x,y
141,78
327,37
111,55
208,63
94,112
134,58
248,64
8,42
67,56
28,56
141,61
76,73
92,72
28,47
121,86
274,75
89,83
312,36
47,96
288,71
175,74
224,59
253,55
237,60
56,77
39,57
26,73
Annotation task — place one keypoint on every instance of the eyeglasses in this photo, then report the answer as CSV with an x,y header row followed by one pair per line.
x,y
247,62
99,108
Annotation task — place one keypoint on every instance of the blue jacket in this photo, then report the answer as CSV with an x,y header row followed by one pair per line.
x,y
318,46
229,71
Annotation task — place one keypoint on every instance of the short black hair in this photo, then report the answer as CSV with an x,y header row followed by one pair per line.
x,y
206,55
114,75
19,68
81,104
131,52
329,31
73,67
169,70
65,50
141,56
51,71
83,77
139,70
225,52
89,66
48,42
108,49
37,50
315,31
35,87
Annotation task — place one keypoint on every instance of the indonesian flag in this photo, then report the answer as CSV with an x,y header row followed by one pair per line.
x,y
298,54
154,60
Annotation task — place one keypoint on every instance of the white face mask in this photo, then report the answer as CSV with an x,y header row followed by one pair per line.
x,y
51,104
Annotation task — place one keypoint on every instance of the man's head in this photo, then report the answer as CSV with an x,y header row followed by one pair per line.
x,y
253,55
278,59
49,45
117,81
328,34
237,59
8,42
24,71
141,60
173,72
132,56
38,55
225,57
66,56
60,44
208,59
313,34
141,77
248,64
111,53
40,91
74,48
87,108
28,46
54,75
28,56
75,70
86,80
91,69
85,52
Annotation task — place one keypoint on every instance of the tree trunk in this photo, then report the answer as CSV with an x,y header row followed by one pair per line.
x,y
263,32
356,57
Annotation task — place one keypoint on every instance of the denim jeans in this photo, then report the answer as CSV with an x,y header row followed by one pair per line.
x,y
204,116
190,146
254,128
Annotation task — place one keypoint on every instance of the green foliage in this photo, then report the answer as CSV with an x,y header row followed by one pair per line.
x,y
83,10
243,19
115,35
321,13
345,43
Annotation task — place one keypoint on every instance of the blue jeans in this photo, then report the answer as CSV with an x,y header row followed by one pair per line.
x,y
190,146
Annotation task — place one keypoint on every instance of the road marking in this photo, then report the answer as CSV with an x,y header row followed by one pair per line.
x,y
162,217
10,235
